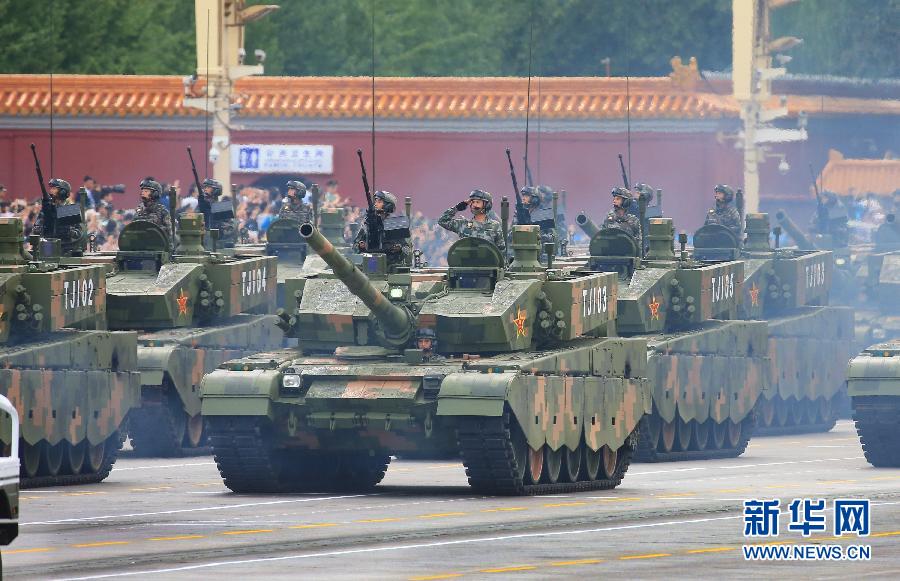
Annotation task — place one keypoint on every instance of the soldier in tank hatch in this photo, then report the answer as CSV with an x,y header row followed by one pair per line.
x,y
210,191
70,235
725,214
481,225
397,252
619,217
152,210
292,206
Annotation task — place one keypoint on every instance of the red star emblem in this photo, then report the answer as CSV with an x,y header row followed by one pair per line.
x,y
654,308
182,300
754,295
519,321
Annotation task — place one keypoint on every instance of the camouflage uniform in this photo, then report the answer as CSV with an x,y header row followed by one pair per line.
x,y
470,228
725,215
627,223
397,253
158,214
299,210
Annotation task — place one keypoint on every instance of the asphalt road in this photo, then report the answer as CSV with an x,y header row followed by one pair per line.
x,y
174,519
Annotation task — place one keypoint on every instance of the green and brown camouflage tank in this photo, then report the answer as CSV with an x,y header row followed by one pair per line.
x,y
194,309
72,382
706,368
515,368
873,382
809,341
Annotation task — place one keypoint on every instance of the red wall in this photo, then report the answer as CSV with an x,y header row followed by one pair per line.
x,y
437,169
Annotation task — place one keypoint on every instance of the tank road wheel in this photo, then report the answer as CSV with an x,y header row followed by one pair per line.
x,y
362,471
667,436
609,461
700,434
95,456
734,433
654,427
795,413
158,428
193,432
592,461
719,431
75,454
52,458
684,434
572,464
767,412
553,461
31,459
535,466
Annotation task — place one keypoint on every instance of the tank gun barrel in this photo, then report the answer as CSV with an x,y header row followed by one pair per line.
x,y
803,242
586,224
397,322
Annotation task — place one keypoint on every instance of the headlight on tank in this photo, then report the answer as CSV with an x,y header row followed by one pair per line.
x,y
878,334
840,261
291,385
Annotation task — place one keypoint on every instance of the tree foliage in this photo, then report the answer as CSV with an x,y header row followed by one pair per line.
x,y
445,37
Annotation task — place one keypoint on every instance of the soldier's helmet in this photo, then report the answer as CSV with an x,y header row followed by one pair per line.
x,y
729,193
534,197
63,185
426,333
153,186
484,196
644,190
389,199
216,186
623,193
299,186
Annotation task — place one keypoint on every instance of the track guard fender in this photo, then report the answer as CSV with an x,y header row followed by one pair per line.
x,y
240,393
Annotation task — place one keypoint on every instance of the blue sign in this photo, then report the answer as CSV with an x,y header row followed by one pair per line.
x,y
248,158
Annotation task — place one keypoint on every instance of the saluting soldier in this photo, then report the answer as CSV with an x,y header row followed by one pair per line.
x,y
725,213
619,218
481,225
151,210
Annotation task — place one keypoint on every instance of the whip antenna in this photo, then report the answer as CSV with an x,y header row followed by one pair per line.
x,y
373,95
528,95
208,143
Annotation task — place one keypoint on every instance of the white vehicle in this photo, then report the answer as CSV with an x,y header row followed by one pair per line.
x,y
9,473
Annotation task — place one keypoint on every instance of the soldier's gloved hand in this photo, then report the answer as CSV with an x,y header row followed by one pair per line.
x,y
462,206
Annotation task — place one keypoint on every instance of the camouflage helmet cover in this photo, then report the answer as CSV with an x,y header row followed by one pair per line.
x,y
153,186
63,185
389,199
214,184
623,193
425,333
729,193
484,196
534,196
297,185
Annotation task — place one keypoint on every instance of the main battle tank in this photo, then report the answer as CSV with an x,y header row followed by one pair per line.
x,y
873,377
524,380
195,309
706,369
73,389
809,342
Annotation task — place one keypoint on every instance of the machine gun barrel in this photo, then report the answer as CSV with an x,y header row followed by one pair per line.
x,y
397,322
586,224
803,242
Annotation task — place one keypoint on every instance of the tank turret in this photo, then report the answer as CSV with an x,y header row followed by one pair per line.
x,y
395,320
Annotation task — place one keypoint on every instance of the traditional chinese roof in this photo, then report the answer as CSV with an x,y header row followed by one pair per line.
x,y
860,176
678,96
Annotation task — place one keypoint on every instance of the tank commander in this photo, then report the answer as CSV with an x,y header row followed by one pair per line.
x,y
619,217
480,226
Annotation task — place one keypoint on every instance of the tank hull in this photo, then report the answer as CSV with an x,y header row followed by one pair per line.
x,y
74,392
873,384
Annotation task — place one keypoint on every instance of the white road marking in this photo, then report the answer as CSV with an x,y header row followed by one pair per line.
x,y
125,468
201,509
632,474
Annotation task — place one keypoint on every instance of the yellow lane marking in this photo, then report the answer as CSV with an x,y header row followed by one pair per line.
x,y
373,520
509,569
103,544
150,489
251,532
624,499
505,509
30,497
875,478
836,481
714,550
315,525
85,493
774,543
178,538
888,534
773,486
576,562
733,490
442,514
40,550
650,556
560,504
677,495
435,577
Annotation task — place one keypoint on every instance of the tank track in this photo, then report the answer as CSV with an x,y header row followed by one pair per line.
x,y
877,419
650,453
113,445
248,462
485,445
158,431
838,402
